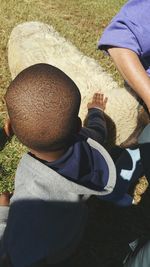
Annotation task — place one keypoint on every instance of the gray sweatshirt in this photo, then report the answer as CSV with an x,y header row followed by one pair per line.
x,y
48,212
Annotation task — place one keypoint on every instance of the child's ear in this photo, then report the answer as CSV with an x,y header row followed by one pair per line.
x,y
79,124
8,129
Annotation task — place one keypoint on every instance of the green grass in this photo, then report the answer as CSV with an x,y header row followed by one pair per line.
x,y
80,21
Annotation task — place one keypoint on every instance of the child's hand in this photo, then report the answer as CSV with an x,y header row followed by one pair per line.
x,y
5,199
98,101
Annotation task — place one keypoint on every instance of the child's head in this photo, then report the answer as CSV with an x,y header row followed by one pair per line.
x,y
43,105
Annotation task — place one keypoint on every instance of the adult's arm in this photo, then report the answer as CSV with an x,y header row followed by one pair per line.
x,y
130,67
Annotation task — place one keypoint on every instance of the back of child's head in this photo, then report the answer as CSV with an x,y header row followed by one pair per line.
x,y
43,105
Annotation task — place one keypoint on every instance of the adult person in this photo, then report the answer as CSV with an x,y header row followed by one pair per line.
x,y
127,40
141,255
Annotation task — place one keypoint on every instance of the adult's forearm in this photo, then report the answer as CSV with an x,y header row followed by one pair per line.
x,y
131,69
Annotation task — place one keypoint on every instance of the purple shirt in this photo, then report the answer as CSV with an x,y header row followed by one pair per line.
x,y
130,28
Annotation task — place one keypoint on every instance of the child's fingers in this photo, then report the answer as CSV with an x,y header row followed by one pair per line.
x,y
105,100
101,96
96,97
98,100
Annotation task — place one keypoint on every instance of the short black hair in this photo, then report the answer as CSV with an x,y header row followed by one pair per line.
x,y
43,105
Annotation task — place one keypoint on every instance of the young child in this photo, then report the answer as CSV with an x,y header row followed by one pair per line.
x,y
64,167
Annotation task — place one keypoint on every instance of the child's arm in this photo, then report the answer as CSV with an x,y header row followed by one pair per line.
x,y
95,124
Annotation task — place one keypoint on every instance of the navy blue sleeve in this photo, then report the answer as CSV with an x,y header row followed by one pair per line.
x,y
95,126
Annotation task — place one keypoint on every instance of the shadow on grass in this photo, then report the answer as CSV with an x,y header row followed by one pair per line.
x,y
105,240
